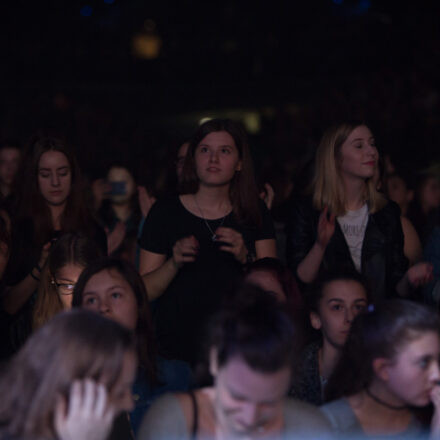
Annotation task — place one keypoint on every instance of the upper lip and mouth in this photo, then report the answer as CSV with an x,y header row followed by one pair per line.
x,y
370,162
212,168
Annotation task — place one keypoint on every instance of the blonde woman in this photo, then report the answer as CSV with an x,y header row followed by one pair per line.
x,y
349,223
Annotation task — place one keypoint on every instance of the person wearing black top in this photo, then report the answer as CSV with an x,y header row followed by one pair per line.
x,y
50,201
194,245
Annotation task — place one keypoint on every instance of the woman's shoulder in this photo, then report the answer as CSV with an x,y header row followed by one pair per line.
x,y
340,415
164,420
301,417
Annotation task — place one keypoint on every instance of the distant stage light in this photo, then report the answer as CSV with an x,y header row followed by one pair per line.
x,y
86,11
203,120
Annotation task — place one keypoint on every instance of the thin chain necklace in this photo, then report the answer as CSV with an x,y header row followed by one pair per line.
x,y
214,236
385,404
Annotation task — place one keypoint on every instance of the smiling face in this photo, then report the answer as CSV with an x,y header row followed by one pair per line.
x,y
217,159
248,402
341,302
54,177
108,293
358,155
414,371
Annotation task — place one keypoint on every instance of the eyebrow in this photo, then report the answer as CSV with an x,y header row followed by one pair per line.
x,y
65,279
221,146
57,169
341,300
361,139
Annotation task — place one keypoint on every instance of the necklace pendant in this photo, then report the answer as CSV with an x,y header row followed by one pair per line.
x,y
214,237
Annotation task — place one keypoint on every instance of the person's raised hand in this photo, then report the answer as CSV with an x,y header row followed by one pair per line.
x,y
267,195
87,415
232,241
185,250
420,274
326,228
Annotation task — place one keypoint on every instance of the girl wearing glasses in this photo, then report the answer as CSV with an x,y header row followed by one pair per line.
x,y
67,259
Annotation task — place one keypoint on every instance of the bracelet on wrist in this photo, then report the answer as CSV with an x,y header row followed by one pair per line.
x,y
33,276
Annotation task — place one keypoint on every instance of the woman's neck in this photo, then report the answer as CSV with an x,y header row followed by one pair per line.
x,y
328,357
377,418
122,210
213,201
56,212
354,190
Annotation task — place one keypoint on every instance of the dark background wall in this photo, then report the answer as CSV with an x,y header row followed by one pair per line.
x,y
286,69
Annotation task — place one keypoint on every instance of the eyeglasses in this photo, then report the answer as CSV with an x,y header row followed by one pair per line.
x,y
64,288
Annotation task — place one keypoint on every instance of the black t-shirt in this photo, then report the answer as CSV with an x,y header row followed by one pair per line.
x,y
199,287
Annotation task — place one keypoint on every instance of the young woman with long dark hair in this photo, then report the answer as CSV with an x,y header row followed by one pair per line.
x,y
114,289
389,367
194,245
50,202
349,223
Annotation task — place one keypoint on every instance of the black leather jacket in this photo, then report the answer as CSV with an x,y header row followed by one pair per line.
x,y
382,262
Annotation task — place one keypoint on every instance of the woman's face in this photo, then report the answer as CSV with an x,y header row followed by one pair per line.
x,y
54,177
430,194
217,159
249,402
358,155
267,281
65,281
341,302
108,293
414,372
122,177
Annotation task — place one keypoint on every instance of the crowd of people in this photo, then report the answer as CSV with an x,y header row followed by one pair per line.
x,y
192,314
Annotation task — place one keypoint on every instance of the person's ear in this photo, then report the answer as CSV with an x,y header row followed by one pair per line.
x,y
410,195
315,320
213,363
381,368
238,167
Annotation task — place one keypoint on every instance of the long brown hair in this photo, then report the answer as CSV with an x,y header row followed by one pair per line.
x,y
69,249
243,192
327,187
146,346
73,345
30,203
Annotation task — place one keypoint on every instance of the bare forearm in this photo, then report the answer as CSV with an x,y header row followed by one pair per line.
x,y
157,281
308,269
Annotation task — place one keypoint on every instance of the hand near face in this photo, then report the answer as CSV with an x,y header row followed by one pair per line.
x,y
88,415
326,228
185,250
234,243
420,274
